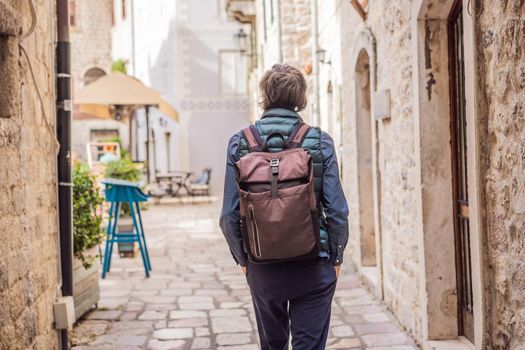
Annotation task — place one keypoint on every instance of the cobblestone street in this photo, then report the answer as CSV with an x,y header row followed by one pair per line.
x,y
197,298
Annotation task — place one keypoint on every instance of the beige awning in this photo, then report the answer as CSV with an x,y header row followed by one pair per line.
x,y
120,89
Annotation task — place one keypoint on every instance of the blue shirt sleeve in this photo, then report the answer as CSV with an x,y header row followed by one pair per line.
x,y
334,201
230,220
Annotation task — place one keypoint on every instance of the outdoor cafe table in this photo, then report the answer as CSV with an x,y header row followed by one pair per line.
x,y
176,180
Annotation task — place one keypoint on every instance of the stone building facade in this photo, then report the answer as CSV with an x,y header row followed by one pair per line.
x,y
277,24
91,23
436,231
29,265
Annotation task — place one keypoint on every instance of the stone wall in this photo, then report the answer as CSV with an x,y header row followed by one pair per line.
x,y
29,280
396,163
501,71
91,45
91,38
296,29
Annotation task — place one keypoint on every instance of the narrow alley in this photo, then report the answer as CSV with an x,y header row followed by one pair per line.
x,y
418,116
197,298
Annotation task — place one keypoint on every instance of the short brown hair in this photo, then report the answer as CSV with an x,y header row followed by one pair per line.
x,y
283,86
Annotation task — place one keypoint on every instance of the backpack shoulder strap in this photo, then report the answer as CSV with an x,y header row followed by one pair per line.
x,y
252,137
296,138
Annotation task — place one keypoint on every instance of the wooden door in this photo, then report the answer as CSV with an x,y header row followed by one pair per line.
x,y
460,174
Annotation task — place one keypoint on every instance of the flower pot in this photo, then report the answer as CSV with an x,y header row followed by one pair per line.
x,y
126,250
86,290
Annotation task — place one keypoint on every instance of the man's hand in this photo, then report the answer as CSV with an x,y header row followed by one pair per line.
x,y
244,269
337,268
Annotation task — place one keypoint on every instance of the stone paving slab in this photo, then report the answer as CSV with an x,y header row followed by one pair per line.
x,y
196,298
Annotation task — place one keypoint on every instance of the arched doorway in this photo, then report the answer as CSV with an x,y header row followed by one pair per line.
x,y
365,160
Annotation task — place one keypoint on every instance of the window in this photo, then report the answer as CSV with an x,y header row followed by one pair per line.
x,y
113,13
168,151
271,12
72,14
233,72
265,28
103,135
123,12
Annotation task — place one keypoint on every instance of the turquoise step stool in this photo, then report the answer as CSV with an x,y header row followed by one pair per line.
x,y
118,192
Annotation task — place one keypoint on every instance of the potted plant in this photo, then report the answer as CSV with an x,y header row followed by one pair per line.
x,y
124,169
87,235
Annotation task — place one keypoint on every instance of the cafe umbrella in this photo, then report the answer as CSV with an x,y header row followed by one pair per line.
x,y
108,95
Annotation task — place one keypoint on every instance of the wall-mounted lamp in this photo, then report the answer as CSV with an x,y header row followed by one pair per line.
x,y
241,41
321,54
120,112
117,111
163,122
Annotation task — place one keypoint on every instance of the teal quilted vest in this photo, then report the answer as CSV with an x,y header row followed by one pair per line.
x,y
282,121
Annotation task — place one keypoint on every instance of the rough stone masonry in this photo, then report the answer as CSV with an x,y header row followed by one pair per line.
x,y
501,69
29,280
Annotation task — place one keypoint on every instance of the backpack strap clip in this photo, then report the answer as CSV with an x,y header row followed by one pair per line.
x,y
274,175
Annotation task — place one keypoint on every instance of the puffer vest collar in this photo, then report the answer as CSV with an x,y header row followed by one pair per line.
x,y
281,112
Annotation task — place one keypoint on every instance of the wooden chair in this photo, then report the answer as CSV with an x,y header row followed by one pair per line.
x,y
201,186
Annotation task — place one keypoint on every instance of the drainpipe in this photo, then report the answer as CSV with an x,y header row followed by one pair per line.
x,y
134,68
63,122
136,137
148,132
315,64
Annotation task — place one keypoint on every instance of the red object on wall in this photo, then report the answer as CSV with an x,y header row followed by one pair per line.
x,y
308,68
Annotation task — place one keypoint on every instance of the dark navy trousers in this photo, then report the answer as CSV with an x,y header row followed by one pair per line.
x,y
292,297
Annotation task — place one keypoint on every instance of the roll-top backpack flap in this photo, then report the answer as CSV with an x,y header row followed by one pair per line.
x,y
277,200
291,161
292,164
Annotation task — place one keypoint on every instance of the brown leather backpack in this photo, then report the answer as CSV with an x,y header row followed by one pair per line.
x,y
279,217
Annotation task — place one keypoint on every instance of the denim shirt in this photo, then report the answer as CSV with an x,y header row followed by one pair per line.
x,y
333,201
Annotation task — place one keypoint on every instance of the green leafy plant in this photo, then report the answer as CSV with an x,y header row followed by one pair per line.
x,y
119,66
86,218
123,169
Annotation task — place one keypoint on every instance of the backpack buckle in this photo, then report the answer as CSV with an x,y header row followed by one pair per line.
x,y
274,162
